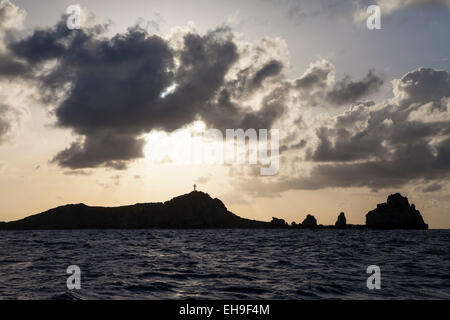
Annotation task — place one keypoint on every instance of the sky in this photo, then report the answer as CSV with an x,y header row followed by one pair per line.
x,y
105,114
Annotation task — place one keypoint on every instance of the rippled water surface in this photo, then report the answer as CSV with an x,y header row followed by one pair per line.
x,y
224,264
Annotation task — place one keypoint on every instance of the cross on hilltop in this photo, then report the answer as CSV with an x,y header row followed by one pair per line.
x,y
195,187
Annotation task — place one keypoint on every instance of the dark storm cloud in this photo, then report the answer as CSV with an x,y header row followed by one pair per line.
x,y
114,94
115,89
224,113
107,148
43,44
205,61
347,91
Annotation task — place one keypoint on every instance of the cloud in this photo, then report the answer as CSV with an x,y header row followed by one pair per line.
x,y
432,188
318,76
4,123
233,198
386,149
11,18
409,162
389,7
347,91
272,68
11,110
300,11
10,119
318,85
99,149
111,90
116,179
10,68
422,86
77,173
388,144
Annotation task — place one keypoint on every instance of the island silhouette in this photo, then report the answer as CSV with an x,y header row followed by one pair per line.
x,y
199,210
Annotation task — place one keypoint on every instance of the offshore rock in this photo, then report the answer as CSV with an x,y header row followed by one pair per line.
x,y
341,221
309,222
396,213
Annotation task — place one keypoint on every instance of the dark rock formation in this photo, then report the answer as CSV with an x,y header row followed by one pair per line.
x,y
193,210
199,210
309,222
278,223
341,221
396,213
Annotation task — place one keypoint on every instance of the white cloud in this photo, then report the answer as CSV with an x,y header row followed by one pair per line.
x,y
388,7
11,17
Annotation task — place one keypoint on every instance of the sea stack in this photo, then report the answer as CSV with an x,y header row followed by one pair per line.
x,y
309,222
396,213
278,223
341,221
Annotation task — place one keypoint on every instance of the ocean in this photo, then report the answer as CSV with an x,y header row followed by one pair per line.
x,y
225,264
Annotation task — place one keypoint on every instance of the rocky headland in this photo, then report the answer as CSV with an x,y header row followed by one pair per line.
x,y
198,210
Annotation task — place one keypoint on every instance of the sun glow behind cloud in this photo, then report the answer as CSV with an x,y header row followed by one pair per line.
x,y
180,147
